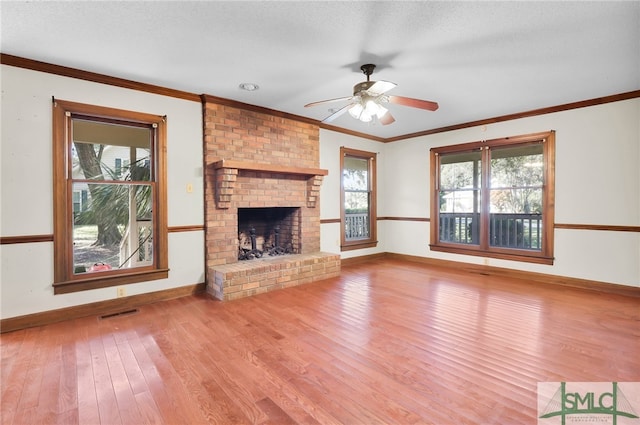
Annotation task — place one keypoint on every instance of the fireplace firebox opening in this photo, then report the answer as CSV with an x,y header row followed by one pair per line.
x,y
268,232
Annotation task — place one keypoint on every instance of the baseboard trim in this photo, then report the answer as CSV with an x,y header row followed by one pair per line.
x,y
96,309
363,259
563,281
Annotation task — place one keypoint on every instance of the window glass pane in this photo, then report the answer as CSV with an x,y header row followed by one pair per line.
x,y
356,173
459,197
521,231
356,202
460,201
516,201
114,231
356,210
460,170
106,162
104,151
356,226
459,216
518,166
516,218
516,197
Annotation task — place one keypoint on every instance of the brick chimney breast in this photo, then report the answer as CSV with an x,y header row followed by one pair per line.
x,y
254,159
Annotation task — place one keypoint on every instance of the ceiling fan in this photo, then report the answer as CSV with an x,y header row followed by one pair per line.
x,y
368,97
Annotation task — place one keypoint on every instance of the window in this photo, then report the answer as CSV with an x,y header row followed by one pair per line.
x,y
358,199
110,225
495,198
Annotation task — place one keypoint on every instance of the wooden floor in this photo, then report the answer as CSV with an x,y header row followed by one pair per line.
x,y
386,343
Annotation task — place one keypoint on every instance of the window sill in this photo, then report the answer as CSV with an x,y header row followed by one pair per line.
x,y
521,256
102,281
358,245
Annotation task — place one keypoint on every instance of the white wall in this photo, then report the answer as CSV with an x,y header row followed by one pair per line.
x,y
597,182
26,198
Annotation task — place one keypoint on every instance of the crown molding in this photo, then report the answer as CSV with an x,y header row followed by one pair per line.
x,y
66,71
518,115
35,65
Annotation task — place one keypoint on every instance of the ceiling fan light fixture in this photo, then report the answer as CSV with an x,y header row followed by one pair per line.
x,y
356,110
364,117
371,107
360,112
366,109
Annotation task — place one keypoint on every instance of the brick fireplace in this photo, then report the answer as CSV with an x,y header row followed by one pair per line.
x,y
256,161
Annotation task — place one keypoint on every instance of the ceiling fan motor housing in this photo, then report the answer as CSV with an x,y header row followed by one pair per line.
x,y
367,69
363,86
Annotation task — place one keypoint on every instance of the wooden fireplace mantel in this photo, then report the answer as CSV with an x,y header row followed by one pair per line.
x,y
227,172
271,168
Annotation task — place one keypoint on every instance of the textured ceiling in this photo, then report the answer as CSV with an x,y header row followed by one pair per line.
x,y
478,60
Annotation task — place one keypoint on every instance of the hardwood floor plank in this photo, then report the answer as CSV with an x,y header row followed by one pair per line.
x,y
88,410
47,408
9,354
238,401
35,371
132,368
170,396
68,417
68,394
189,392
149,410
281,381
387,342
223,410
293,410
122,388
275,415
16,352
105,394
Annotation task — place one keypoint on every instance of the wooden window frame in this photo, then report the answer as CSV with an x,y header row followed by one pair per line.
x,y
65,281
372,241
546,253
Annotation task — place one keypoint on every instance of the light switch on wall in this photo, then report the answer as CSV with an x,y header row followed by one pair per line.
x,y
189,188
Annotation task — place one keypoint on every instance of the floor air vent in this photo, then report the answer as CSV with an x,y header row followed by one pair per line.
x,y
118,314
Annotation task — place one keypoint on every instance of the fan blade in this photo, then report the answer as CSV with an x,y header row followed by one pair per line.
x,y
380,87
337,113
338,99
387,119
413,103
